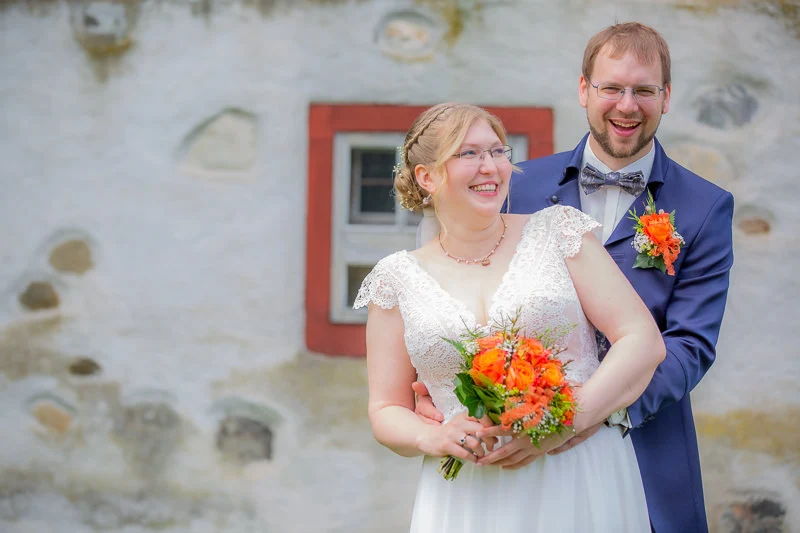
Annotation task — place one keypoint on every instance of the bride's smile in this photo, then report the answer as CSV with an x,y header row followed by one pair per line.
x,y
485,189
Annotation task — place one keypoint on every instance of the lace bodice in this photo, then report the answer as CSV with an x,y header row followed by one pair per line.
x,y
537,282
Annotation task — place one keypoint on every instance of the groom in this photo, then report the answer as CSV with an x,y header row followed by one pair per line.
x,y
625,88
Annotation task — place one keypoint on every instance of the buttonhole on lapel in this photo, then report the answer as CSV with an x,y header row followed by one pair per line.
x,y
618,257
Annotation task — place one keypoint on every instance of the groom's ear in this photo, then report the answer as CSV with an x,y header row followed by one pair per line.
x,y
583,91
425,178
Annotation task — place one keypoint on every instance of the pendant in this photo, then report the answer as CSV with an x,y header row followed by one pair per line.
x,y
485,261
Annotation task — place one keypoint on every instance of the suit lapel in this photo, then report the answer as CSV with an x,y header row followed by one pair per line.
x,y
625,227
567,191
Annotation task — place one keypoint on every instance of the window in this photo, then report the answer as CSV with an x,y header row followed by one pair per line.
x,y
371,198
368,222
353,216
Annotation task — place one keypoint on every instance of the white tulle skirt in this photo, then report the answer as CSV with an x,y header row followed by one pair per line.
x,y
593,488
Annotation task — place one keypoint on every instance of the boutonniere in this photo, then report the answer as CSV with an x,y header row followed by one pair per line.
x,y
656,239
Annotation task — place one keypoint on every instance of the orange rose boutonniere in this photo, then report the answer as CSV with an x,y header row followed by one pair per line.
x,y
656,239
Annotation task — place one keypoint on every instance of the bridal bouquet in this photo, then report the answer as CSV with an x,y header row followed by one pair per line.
x,y
515,380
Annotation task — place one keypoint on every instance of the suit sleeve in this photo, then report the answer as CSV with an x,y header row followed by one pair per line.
x,y
693,315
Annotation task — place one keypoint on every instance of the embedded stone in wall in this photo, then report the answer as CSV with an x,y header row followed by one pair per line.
x,y
244,439
705,161
39,295
408,35
753,220
53,413
148,431
753,511
84,366
245,431
104,27
15,500
726,107
200,7
73,256
24,349
223,146
754,226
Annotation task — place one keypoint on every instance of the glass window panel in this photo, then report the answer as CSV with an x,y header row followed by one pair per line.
x,y
377,198
371,184
376,163
355,275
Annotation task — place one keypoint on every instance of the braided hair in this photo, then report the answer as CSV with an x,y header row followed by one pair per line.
x,y
433,137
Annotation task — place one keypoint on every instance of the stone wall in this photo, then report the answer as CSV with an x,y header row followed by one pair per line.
x,y
152,366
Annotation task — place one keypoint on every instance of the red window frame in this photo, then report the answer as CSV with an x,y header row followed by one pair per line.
x,y
324,121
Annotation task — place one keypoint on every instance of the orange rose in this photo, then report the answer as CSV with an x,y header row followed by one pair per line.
x,y
551,374
520,374
530,350
657,227
490,363
486,343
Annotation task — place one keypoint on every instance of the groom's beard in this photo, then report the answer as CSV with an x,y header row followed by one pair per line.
x,y
604,140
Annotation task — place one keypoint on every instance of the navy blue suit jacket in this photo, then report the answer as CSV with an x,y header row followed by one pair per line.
x,y
687,307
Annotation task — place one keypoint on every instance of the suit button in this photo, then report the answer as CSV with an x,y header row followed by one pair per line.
x,y
554,199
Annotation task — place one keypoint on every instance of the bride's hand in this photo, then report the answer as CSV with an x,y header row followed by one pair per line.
x,y
456,437
520,451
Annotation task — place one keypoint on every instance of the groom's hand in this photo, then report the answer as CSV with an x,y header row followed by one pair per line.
x,y
577,439
424,407
520,451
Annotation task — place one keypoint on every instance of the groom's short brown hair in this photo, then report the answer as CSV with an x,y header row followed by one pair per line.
x,y
642,41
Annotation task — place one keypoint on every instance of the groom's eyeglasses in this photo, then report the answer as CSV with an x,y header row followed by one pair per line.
x,y
475,156
642,93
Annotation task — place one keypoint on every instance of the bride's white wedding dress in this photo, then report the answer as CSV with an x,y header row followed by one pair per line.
x,y
595,486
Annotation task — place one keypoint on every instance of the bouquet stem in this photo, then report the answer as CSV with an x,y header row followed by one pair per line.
x,y
450,467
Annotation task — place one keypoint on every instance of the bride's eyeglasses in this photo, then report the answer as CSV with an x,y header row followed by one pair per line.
x,y
474,156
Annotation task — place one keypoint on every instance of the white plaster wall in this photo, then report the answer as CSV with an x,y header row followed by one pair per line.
x,y
198,285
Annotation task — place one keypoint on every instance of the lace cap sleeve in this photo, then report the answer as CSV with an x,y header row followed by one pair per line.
x,y
379,287
570,224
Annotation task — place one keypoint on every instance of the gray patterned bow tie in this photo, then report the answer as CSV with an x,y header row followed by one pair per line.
x,y
592,179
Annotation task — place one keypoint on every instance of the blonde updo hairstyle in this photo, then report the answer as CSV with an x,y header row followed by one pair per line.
x,y
435,136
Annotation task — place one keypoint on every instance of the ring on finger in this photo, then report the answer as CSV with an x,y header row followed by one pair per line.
x,y
463,444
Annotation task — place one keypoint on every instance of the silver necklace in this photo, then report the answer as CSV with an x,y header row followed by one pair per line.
x,y
483,261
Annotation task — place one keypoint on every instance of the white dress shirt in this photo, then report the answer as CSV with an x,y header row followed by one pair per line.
x,y
609,204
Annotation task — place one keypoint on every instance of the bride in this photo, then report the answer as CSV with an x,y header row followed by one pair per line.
x,y
483,265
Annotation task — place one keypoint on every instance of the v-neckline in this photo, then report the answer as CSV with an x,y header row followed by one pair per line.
x,y
492,299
